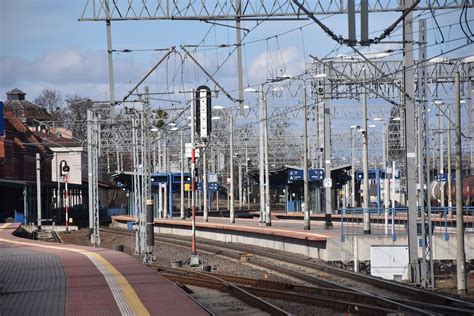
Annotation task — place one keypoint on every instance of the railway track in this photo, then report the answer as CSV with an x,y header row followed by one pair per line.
x,y
213,282
409,299
271,290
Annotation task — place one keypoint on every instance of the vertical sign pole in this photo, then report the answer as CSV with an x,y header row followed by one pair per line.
x,y
38,188
182,175
66,203
460,251
231,162
268,218
193,179
261,168
307,220
365,159
409,107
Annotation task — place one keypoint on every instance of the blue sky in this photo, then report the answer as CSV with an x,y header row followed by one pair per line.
x,y
44,46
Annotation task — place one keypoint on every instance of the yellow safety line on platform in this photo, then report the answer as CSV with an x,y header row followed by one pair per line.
x,y
133,302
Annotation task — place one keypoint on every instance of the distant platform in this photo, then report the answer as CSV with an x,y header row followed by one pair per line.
x,y
41,278
288,234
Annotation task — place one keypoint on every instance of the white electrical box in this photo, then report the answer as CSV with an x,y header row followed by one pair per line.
x,y
389,262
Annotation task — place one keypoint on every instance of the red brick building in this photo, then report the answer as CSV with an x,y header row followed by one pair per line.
x,y
18,148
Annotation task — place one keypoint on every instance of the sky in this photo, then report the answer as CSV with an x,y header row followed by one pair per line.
x,y
43,45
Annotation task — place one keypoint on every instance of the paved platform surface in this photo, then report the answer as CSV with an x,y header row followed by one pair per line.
x,y
40,278
279,227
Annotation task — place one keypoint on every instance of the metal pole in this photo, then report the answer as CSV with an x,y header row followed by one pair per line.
x,y
460,251
66,202
327,163
365,160
109,53
268,219
261,170
25,205
450,200
353,201
409,106
150,234
204,183
181,155
193,188
307,220
240,183
247,172
38,189
441,156
470,117
386,181
57,179
231,162
238,12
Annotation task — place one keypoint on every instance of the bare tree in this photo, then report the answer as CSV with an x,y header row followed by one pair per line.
x,y
51,100
75,115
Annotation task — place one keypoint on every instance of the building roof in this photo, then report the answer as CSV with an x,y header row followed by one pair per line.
x,y
57,141
21,135
16,92
26,110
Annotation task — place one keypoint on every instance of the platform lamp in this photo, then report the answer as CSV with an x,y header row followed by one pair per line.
x,y
261,154
353,202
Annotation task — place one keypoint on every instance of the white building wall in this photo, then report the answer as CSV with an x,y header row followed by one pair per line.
x,y
73,157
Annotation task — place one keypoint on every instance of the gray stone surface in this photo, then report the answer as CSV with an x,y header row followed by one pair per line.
x,y
31,282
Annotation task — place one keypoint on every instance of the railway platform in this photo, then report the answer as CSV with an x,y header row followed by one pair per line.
x,y
41,278
345,242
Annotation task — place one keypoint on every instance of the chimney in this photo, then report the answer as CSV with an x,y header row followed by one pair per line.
x,y
16,94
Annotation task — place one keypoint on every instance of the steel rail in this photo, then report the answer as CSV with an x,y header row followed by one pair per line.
x,y
376,299
210,281
309,299
324,291
422,296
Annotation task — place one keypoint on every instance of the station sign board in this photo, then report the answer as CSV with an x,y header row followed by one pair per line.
x,y
316,174
313,175
211,186
295,175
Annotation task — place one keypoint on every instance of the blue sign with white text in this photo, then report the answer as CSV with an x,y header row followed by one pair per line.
x,y
211,186
295,175
316,174
313,175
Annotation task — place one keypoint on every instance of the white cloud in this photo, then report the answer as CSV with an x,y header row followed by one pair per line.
x,y
69,71
270,64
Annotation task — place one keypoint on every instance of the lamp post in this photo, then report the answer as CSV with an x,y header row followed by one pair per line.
x,y
386,181
365,160
353,202
247,173
261,141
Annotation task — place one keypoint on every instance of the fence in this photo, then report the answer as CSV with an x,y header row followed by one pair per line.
x,y
393,221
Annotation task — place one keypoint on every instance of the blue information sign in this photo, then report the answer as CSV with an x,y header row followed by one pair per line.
x,y
313,175
213,186
316,174
442,177
295,175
